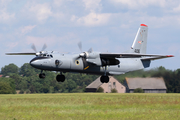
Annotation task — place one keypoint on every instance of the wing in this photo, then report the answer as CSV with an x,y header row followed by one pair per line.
x,y
133,55
20,53
157,57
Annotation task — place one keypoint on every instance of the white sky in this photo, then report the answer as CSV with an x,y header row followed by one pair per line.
x,y
105,25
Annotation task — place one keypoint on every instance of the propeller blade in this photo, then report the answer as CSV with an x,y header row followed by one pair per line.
x,y
80,46
34,48
90,50
76,57
44,47
20,53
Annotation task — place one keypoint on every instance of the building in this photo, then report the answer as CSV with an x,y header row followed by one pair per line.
x,y
149,85
112,84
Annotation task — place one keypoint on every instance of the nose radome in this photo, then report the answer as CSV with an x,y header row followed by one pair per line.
x,y
34,63
37,62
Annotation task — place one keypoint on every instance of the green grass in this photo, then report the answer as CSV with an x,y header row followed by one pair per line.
x,y
90,106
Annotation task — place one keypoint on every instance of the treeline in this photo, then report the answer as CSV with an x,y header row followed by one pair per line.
x,y
26,80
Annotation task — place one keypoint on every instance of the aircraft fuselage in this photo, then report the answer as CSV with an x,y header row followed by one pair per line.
x,y
67,63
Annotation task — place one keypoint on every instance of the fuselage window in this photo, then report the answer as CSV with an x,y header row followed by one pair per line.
x,y
57,62
77,62
47,55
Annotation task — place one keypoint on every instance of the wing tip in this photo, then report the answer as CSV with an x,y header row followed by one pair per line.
x,y
169,55
144,25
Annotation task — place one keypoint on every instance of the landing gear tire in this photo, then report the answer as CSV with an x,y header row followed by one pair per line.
x,y
104,79
60,78
42,75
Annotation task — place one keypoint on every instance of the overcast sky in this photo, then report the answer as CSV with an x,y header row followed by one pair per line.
x,y
104,25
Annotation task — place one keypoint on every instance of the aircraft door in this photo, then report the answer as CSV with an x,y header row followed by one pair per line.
x,y
62,63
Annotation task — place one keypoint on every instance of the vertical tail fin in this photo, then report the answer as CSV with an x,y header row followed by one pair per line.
x,y
140,41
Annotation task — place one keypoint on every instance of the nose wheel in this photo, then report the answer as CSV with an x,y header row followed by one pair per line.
x,y
60,78
42,75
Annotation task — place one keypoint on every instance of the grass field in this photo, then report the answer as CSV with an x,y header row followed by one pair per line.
x,y
90,106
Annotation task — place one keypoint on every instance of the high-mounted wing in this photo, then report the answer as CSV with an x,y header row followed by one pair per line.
x,y
20,53
30,53
157,57
133,55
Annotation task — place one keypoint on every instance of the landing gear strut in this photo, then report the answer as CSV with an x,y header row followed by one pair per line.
x,y
42,75
60,78
104,78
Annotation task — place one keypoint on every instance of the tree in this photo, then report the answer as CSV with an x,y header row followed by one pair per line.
x,y
100,90
114,90
5,88
138,90
9,69
10,82
71,85
17,79
27,70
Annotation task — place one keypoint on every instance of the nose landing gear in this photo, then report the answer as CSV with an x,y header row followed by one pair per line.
x,y
42,75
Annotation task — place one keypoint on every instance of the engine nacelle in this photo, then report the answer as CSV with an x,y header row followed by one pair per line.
x,y
93,58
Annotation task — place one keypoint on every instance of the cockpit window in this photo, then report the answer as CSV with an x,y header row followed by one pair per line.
x,y
46,55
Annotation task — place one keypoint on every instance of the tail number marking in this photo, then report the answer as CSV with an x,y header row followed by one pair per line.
x,y
137,50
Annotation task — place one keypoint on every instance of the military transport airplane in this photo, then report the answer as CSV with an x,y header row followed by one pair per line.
x,y
91,62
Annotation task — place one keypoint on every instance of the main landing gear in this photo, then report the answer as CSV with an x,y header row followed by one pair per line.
x,y
60,78
104,78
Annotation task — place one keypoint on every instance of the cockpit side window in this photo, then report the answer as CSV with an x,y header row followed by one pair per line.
x,y
51,56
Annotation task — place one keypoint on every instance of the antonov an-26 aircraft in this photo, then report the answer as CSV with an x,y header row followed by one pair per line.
x,y
91,62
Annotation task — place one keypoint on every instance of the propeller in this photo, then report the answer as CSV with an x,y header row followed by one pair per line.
x,y
83,54
90,50
44,47
40,52
34,47
80,46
